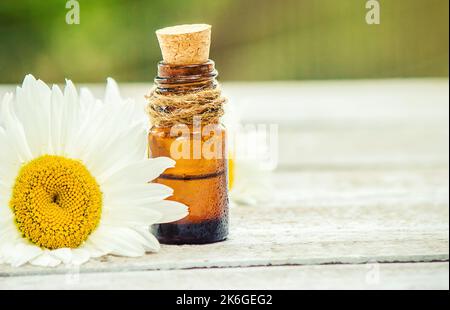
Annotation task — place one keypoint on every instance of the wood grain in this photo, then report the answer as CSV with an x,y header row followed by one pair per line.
x,y
364,276
318,218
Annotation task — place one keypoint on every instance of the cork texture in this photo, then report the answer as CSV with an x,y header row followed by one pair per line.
x,y
185,44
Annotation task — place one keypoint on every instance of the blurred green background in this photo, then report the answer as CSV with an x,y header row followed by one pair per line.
x,y
252,39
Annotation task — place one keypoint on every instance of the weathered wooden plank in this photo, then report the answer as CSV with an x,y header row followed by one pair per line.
x,y
389,146
318,218
364,276
346,103
364,188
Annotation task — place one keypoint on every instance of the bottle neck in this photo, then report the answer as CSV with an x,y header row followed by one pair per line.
x,y
186,78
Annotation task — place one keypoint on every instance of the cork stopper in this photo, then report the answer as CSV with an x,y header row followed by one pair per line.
x,y
185,44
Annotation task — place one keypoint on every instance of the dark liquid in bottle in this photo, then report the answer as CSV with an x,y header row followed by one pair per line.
x,y
192,233
199,182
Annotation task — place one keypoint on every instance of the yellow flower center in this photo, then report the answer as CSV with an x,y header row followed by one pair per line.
x,y
231,172
57,203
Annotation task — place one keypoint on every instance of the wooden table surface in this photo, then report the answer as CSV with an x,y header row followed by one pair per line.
x,y
361,199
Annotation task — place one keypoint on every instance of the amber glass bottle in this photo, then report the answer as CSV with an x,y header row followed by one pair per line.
x,y
198,182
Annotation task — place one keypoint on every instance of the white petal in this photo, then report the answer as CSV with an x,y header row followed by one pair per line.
x,y
32,106
69,256
152,244
20,253
130,216
139,172
80,256
112,93
71,118
46,259
171,210
122,241
15,131
92,249
64,255
86,98
56,121
108,157
140,195
9,162
132,192
8,232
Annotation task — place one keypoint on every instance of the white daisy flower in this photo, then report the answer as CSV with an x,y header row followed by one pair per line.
x,y
74,177
250,175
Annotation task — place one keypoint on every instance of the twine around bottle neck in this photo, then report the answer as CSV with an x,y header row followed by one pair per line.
x,y
184,92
